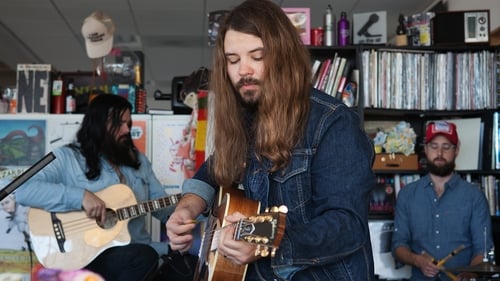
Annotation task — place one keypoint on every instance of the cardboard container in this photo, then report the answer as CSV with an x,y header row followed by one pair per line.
x,y
395,162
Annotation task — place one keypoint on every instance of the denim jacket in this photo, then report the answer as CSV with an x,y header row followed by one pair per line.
x,y
326,188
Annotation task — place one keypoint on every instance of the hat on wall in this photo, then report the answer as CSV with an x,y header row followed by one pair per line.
x,y
98,29
446,129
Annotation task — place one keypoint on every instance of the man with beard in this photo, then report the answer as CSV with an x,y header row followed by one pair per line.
x,y
284,143
102,155
441,213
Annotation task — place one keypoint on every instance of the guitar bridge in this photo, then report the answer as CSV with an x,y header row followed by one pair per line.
x,y
58,231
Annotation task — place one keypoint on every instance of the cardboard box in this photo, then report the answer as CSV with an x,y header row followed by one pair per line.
x,y
33,88
395,162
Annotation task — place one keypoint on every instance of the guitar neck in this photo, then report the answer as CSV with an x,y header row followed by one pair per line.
x,y
147,207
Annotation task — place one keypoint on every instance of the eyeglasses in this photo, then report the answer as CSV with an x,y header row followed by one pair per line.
x,y
445,146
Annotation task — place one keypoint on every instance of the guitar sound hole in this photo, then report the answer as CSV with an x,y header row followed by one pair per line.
x,y
109,221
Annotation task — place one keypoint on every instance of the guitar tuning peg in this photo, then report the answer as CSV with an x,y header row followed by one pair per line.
x,y
257,251
265,240
266,210
283,209
273,252
274,209
269,218
252,219
264,252
261,219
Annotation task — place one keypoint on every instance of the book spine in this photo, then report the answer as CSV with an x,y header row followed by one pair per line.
x,y
343,78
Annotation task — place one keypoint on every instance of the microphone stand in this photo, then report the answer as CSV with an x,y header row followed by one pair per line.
x,y
26,175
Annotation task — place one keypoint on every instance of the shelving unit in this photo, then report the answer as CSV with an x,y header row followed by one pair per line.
x,y
418,117
487,75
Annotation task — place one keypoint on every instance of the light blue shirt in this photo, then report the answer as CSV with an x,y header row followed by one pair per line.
x,y
60,186
424,222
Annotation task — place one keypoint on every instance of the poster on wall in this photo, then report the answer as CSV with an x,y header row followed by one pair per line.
x,y
171,138
170,142
140,133
16,259
13,217
61,129
22,143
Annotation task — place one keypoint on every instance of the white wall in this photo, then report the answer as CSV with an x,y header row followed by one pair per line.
x,y
492,5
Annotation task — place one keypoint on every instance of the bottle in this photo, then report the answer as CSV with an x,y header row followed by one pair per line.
x,y
140,92
401,35
70,97
57,98
343,30
328,27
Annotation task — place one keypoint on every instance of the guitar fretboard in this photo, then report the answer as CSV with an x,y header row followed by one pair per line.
x,y
147,207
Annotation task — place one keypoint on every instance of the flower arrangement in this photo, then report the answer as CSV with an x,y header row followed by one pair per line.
x,y
399,139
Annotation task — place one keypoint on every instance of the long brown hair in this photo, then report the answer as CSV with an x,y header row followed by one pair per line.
x,y
282,113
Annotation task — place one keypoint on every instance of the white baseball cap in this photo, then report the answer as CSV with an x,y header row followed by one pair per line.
x,y
98,29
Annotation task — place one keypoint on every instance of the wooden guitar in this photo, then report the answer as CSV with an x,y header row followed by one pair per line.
x,y
266,230
71,240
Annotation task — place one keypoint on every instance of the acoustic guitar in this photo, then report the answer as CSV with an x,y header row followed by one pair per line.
x,y
71,240
265,230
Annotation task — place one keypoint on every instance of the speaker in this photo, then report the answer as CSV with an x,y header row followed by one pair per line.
x,y
461,28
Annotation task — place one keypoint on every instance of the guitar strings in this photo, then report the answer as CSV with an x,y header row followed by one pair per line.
x,y
79,225
213,237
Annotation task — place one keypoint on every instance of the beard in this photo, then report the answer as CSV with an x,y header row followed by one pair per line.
x,y
121,151
442,170
248,98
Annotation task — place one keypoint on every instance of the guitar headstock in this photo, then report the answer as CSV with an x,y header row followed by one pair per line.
x,y
266,230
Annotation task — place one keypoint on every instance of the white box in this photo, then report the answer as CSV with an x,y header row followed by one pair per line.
x,y
370,28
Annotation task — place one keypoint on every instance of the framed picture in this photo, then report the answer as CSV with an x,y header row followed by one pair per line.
x,y
370,28
301,19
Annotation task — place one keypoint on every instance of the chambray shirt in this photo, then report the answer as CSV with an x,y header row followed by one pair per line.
x,y
60,186
424,222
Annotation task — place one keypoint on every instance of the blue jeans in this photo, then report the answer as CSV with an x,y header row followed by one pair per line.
x,y
131,262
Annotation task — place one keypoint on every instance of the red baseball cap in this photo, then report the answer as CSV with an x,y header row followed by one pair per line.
x,y
446,129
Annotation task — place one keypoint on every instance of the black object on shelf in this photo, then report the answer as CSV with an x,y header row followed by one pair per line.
x,y
178,105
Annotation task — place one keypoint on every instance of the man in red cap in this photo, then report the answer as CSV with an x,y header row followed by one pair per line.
x,y
441,220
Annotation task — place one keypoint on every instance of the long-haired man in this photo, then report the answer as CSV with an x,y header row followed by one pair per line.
x,y
284,143
102,155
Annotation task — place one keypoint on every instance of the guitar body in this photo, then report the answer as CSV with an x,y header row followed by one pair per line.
x,y
71,240
264,230
211,265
